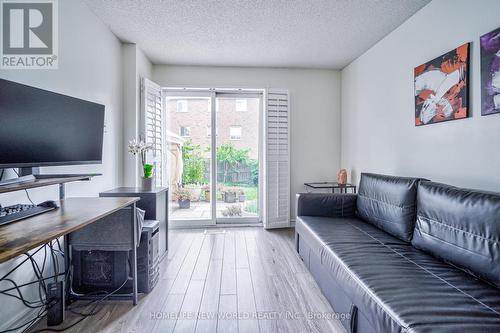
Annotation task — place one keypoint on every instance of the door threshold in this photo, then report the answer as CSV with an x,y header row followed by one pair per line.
x,y
217,226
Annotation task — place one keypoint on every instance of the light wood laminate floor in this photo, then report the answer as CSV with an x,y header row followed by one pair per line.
x,y
222,280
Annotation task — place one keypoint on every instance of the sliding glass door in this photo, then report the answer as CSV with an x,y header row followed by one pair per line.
x,y
189,157
237,157
213,163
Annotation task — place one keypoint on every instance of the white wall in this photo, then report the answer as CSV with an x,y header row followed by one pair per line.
x,y
89,68
135,66
315,110
378,132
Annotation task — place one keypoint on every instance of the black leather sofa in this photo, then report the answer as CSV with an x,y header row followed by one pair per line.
x,y
405,255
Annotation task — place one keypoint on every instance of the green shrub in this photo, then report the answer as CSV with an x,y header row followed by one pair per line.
x,y
252,207
194,164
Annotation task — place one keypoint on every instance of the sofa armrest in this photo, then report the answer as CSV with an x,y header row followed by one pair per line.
x,y
326,204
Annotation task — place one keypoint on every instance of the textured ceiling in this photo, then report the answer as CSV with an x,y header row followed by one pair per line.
x,y
268,33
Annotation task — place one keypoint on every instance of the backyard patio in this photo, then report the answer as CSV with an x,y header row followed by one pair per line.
x,y
237,182
202,210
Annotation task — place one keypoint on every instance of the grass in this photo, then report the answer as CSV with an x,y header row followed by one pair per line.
x,y
252,207
252,193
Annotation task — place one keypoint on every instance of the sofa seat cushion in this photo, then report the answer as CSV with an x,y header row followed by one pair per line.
x,y
460,226
389,203
397,287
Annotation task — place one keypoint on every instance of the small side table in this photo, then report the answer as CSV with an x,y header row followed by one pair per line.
x,y
154,202
332,185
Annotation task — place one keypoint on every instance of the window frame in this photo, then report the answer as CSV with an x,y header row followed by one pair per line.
x,y
209,131
187,128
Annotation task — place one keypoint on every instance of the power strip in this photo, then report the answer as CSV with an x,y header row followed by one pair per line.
x,y
55,296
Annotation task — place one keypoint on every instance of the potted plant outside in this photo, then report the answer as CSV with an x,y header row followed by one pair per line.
x,y
206,190
195,191
229,195
220,192
241,196
141,148
183,197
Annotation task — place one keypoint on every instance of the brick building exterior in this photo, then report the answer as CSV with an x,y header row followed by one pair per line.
x,y
237,121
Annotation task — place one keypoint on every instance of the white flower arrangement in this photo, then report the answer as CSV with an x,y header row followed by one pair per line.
x,y
139,148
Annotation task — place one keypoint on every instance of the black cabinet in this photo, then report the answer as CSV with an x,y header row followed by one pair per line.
x,y
154,202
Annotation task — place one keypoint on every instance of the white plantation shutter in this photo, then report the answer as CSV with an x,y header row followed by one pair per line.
x,y
153,121
277,155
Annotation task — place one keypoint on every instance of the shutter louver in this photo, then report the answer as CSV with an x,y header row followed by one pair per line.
x,y
153,121
277,160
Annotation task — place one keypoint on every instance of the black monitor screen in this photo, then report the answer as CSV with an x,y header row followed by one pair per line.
x,y
39,127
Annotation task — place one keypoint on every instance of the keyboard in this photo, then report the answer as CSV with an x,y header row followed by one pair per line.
x,y
18,212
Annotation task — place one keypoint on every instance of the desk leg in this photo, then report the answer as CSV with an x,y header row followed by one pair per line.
x,y
134,259
67,255
67,270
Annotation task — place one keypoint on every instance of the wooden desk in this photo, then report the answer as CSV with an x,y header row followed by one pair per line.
x,y
73,214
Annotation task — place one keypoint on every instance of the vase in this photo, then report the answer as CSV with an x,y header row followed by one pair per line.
x,y
147,184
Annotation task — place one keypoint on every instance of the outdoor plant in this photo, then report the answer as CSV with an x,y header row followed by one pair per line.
x,y
234,210
183,196
195,189
254,169
194,164
241,195
251,207
206,192
141,148
230,194
220,192
231,157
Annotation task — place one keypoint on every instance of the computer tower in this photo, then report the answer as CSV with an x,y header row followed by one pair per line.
x,y
106,271
99,271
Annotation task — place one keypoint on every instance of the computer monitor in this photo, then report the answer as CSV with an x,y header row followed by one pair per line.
x,y
43,128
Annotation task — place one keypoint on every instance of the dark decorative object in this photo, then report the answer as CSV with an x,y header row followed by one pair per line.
x,y
442,88
490,73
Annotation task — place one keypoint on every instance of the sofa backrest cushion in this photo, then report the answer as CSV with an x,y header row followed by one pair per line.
x,y
389,203
461,227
